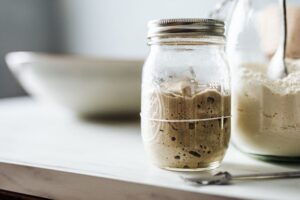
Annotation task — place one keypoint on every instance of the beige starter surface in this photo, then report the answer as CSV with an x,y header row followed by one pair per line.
x,y
173,136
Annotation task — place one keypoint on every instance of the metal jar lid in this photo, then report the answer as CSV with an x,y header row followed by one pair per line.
x,y
185,27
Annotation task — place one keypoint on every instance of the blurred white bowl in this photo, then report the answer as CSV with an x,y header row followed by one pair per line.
x,y
84,85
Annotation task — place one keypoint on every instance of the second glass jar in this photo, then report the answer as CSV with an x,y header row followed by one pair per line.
x,y
266,112
186,94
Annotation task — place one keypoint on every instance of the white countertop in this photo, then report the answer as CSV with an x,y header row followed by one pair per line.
x,y
49,154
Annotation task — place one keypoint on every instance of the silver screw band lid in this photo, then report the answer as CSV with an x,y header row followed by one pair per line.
x,y
185,27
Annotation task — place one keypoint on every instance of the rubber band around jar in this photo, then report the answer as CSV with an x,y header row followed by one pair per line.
x,y
185,120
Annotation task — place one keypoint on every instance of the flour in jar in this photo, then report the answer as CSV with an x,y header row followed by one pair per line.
x,y
266,113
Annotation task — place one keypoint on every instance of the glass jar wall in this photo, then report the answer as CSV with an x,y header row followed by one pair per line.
x,y
186,95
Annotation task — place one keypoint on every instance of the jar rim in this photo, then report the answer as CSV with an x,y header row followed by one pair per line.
x,y
187,40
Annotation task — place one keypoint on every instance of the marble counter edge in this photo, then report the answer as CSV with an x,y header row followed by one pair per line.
x,y
47,182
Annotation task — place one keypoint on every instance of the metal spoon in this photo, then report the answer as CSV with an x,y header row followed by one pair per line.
x,y
223,178
277,68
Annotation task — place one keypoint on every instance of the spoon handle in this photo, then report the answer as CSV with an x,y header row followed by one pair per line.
x,y
284,32
277,175
277,68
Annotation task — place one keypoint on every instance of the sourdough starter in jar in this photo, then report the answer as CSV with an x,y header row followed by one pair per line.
x,y
179,141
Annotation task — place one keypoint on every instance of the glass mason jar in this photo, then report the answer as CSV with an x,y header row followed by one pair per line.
x,y
266,113
185,114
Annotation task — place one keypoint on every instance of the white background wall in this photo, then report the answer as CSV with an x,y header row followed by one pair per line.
x,y
117,28
24,25
107,28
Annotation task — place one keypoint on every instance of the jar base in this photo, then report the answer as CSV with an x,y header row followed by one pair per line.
x,y
270,158
205,167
